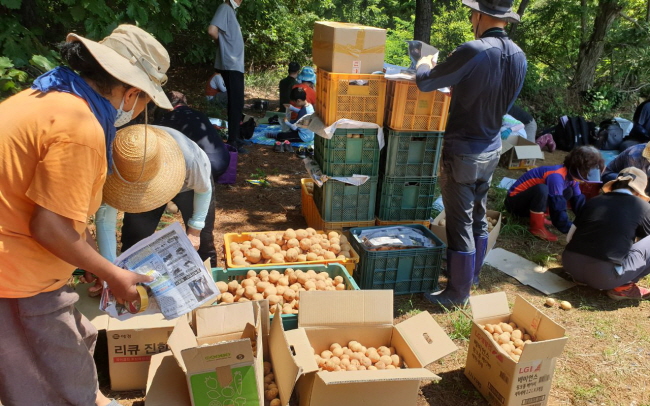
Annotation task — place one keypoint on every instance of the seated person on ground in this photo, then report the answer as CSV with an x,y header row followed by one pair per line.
x,y
288,83
296,133
640,133
550,187
307,81
215,89
602,252
637,156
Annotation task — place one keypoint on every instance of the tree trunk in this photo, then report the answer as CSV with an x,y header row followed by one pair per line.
x,y
423,20
521,10
592,49
584,15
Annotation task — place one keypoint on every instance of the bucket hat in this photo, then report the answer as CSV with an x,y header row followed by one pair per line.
x,y
307,74
134,57
148,169
501,9
646,151
636,179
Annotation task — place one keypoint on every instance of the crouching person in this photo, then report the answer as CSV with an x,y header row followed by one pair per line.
x,y
551,187
602,252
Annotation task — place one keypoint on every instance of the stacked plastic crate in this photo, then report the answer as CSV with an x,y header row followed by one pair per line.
x,y
415,123
350,151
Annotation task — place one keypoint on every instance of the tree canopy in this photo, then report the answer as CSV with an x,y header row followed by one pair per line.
x,y
585,57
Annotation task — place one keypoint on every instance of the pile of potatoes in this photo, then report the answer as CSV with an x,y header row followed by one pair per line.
x,y
310,187
283,289
280,247
271,393
356,357
511,338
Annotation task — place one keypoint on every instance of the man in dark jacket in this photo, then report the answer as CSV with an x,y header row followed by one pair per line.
x,y
486,75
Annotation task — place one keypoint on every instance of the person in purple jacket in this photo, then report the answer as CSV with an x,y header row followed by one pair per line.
x,y
486,76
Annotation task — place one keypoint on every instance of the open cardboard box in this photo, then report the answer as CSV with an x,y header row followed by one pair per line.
x,y
216,359
519,153
364,316
497,376
441,233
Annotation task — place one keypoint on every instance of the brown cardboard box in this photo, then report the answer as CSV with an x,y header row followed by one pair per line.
x,y
441,233
216,360
166,383
348,48
519,153
497,376
365,316
131,343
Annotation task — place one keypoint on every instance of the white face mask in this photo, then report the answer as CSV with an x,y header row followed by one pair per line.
x,y
123,117
234,4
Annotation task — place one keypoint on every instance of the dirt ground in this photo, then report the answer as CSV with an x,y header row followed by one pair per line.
x,y
604,363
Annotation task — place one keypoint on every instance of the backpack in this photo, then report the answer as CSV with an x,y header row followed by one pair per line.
x,y
247,129
610,135
572,132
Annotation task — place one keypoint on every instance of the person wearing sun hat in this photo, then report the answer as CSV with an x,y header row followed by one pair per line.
x,y
55,152
637,156
609,245
155,165
486,75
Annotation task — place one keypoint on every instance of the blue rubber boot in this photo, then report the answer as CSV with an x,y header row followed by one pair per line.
x,y
460,266
481,244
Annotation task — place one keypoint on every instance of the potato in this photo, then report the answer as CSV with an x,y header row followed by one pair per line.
x,y
489,328
222,286
289,234
233,286
311,256
227,297
498,329
292,255
276,247
506,327
310,231
261,286
283,281
564,305
340,286
345,254
256,243
274,300
267,252
380,365
271,393
397,361
335,248
332,234
329,255
274,276
517,334
550,302
237,253
254,256
324,244
504,338
270,291
258,296
276,402
277,258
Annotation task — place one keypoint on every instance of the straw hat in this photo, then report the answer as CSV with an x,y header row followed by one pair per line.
x,y
148,169
134,57
636,179
501,9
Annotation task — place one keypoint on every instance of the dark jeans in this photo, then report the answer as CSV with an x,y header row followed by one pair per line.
x,y
234,81
138,226
219,161
291,136
535,198
464,184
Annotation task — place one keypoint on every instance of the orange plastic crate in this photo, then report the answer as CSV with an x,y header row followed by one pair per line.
x,y
410,109
351,96
349,263
314,219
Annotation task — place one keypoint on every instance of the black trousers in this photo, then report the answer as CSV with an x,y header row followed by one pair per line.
x,y
138,226
291,136
535,198
234,81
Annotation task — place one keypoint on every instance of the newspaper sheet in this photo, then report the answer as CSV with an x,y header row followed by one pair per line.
x,y
181,281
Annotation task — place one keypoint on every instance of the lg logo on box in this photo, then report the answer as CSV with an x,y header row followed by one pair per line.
x,y
530,369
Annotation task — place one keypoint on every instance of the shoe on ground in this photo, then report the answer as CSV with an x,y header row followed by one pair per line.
x,y
287,147
310,152
279,147
301,153
446,299
630,291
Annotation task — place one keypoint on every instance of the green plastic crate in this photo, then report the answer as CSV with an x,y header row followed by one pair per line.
x,y
412,154
349,152
413,270
406,198
289,321
339,201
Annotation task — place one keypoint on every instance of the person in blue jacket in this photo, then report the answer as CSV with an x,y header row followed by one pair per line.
x,y
486,76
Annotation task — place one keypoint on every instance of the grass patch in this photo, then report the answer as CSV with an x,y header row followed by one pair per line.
x,y
541,258
265,79
460,323
589,393
408,308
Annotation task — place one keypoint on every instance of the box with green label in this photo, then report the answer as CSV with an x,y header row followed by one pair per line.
x,y
222,357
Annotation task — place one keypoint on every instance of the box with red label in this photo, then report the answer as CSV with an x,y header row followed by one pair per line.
x,y
500,379
131,343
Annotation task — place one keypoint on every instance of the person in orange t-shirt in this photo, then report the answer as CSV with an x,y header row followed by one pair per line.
x,y
54,155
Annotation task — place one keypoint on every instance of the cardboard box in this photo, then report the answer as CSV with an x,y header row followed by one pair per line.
x,y
348,48
131,343
166,382
497,376
519,153
441,232
216,359
365,316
